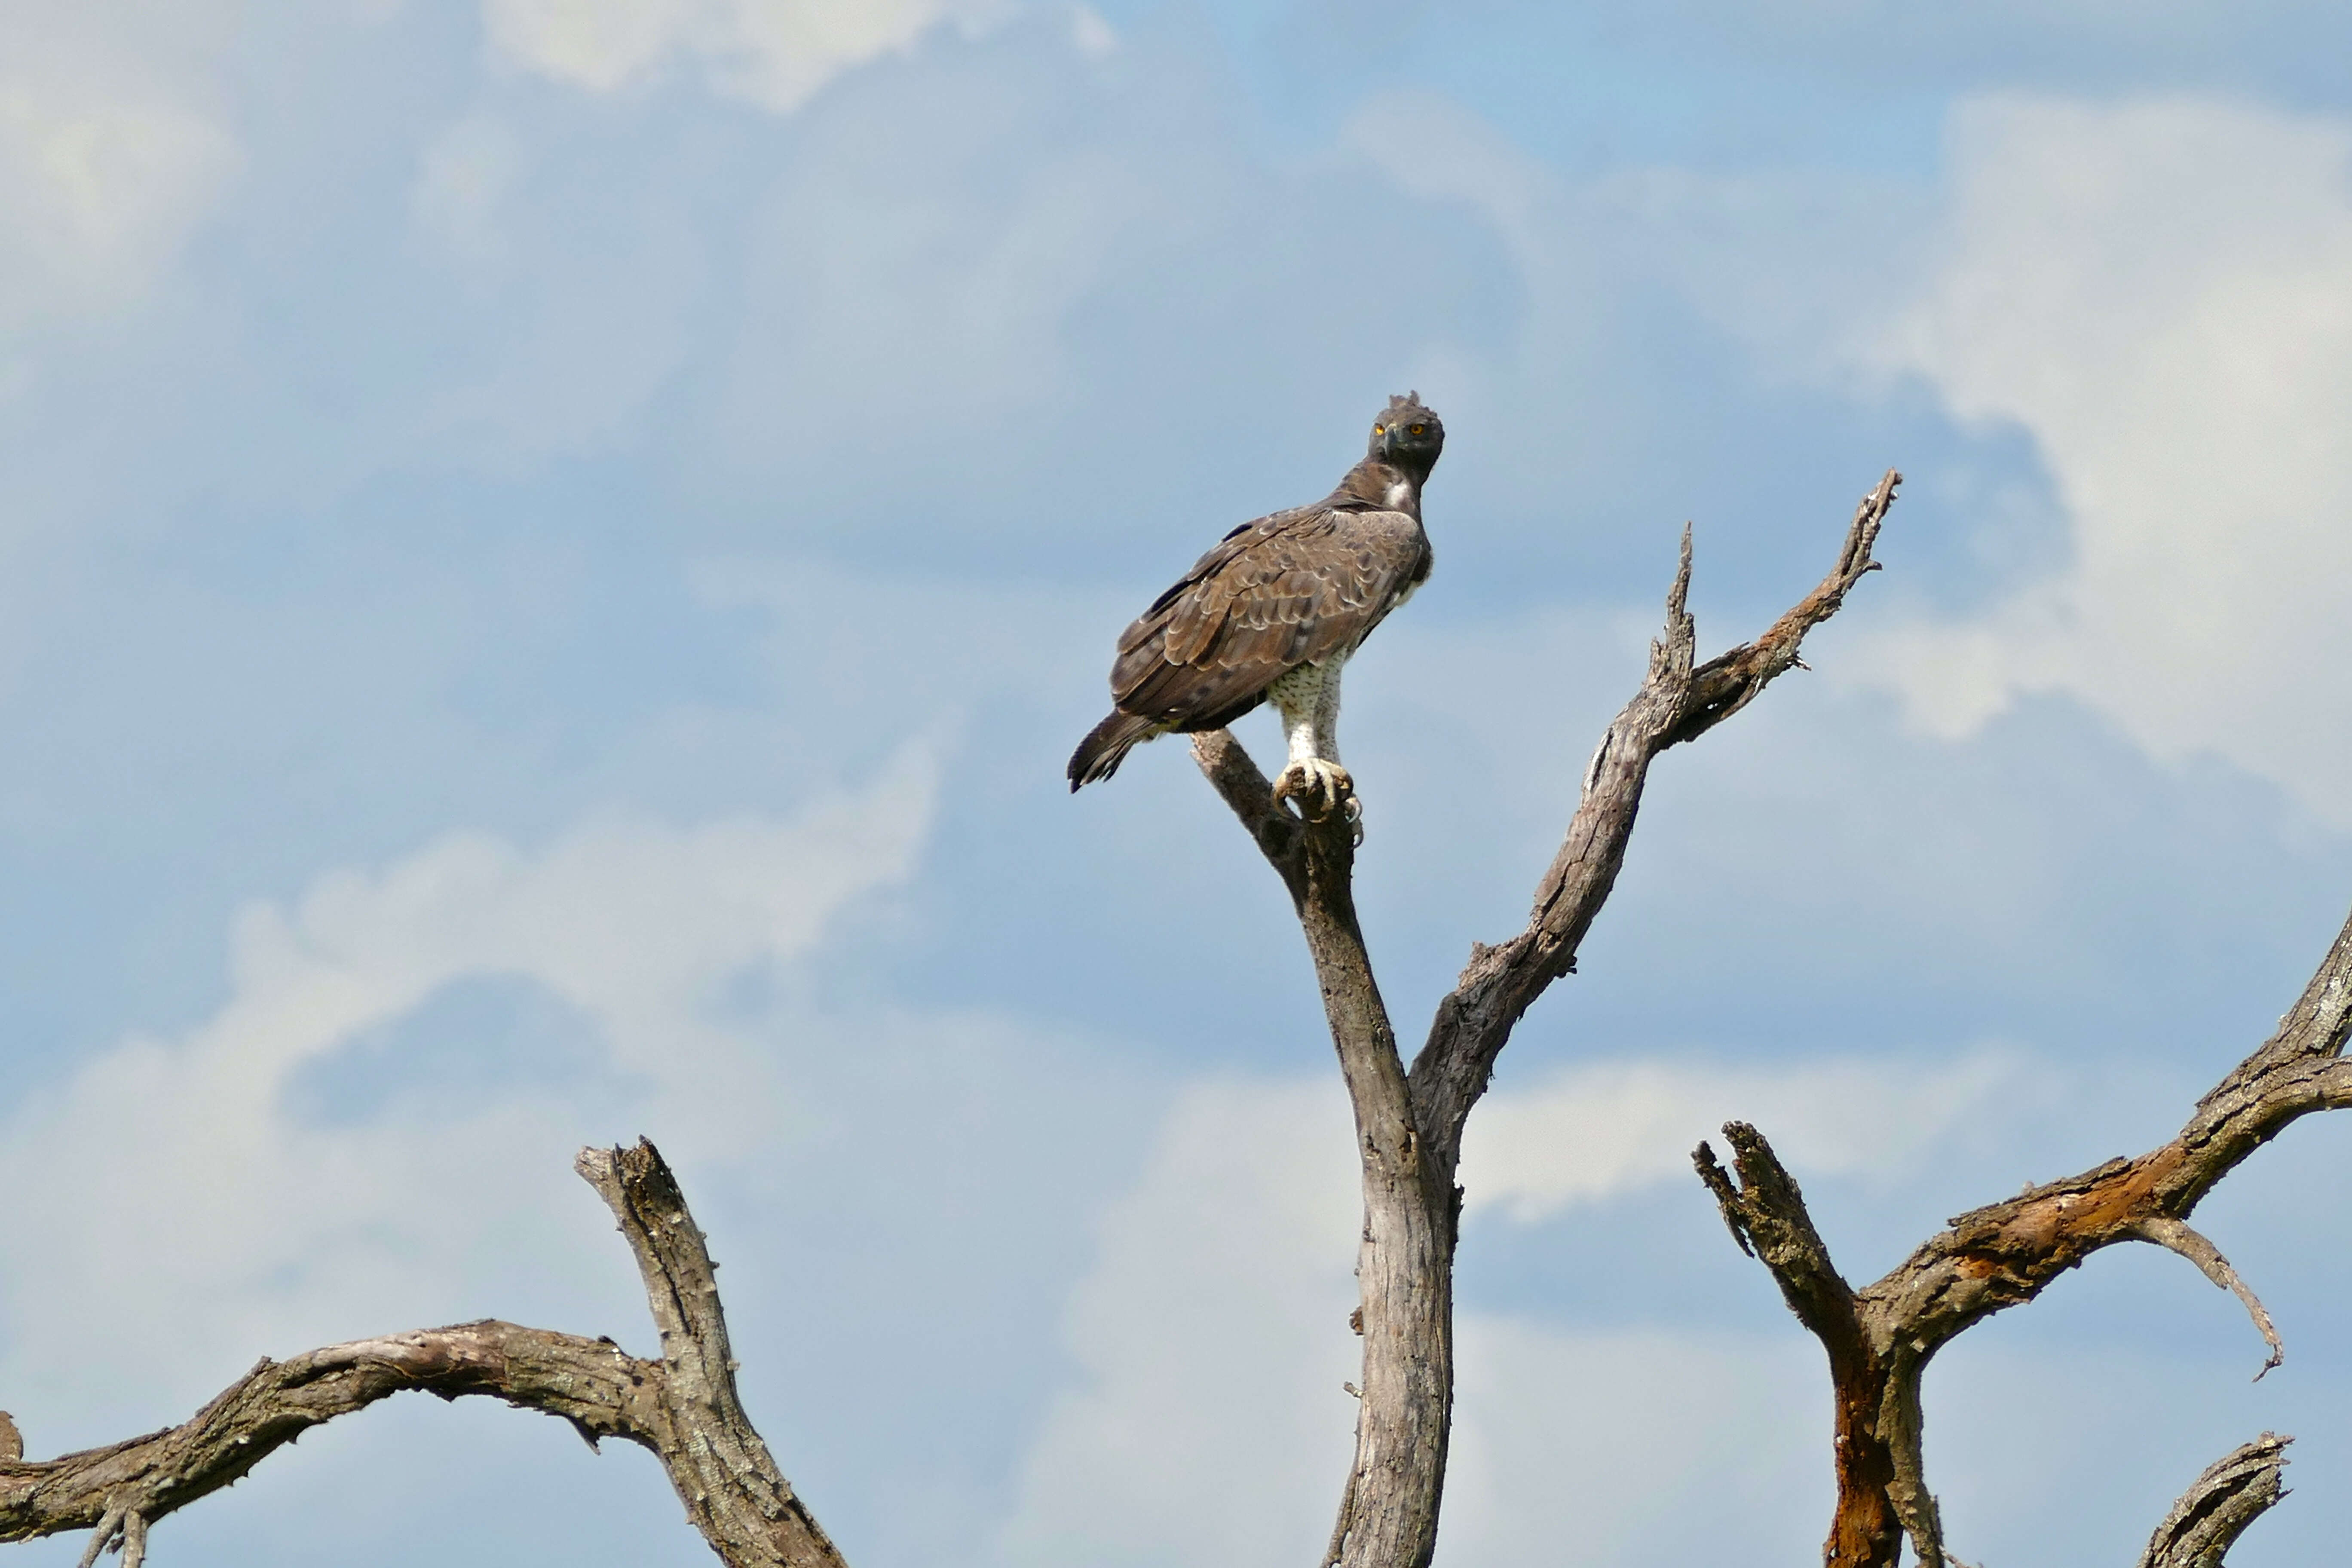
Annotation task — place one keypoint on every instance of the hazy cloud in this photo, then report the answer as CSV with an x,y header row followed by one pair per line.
x,y
772,53
110,152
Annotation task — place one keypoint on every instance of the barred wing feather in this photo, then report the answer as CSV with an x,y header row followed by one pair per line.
x,y
1289,589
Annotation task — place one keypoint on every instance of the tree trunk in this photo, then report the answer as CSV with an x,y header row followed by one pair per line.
x,y
1409,1126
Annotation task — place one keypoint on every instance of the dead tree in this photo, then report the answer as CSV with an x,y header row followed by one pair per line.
x,y
1881,1337
1409,1123
683,1406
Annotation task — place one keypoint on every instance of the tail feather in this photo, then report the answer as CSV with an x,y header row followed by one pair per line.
x,y
1105,746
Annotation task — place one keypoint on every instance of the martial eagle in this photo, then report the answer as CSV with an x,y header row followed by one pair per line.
x,y
1274,611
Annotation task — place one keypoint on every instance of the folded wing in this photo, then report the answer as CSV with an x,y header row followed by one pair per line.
x,y
1286,590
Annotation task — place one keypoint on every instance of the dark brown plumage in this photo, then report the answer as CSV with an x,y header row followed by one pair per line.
x,y
1291,594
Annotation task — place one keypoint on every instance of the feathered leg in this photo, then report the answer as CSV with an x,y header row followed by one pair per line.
x,y
1308,700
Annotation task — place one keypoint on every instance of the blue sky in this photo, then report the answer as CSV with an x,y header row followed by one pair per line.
x,y
552,551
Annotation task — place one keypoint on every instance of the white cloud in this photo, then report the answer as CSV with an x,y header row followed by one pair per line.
x,y
2160,292
174,1169
772,53
1600,1132
1211,1339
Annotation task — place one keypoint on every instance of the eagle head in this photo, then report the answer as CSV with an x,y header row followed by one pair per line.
x,y
1408,435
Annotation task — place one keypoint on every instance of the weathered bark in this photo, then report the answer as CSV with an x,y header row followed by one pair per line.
x,y
682,1407
2001,1255
1408,1125
1404,1260
1768,1219
2235,1490
1676,703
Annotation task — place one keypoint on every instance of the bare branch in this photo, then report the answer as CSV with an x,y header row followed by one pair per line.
x,y
590,1382
1768,1218
1723,686
1994,1258
1676,703
109,1529
2314,1026
1246,791
2175,1237
1409,1127
682,1407
716,1459
1766,1209
2234,1491
1388,1513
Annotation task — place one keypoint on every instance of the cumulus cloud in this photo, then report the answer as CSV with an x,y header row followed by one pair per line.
x,y
772,53
2159,292
195,1169
1211,1338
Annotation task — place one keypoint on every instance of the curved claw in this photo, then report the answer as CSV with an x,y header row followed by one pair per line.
x,y
1321,787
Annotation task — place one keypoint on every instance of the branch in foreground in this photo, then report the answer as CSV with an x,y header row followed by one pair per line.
x,y
683,1407
2234,1491
1996,1256
1408,1128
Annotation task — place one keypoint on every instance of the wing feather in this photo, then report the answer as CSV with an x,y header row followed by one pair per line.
x,y
1194,621
1289,589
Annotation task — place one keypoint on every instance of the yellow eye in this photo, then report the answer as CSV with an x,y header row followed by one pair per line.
x,y
1419,429
1379,429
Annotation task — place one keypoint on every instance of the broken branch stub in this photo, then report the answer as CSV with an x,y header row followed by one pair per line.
x,y
2235,1490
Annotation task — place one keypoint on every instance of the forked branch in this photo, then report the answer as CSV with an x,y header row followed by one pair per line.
x,y
2006,1253
682,1407
1409,1127
1676,703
